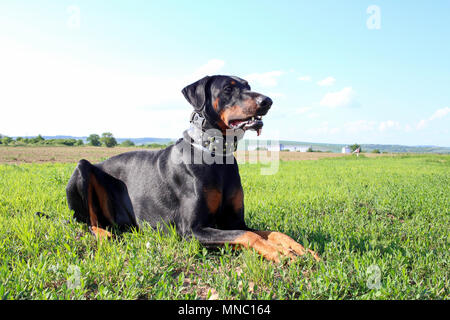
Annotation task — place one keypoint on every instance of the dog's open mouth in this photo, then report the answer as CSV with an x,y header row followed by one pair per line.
x,y
251,123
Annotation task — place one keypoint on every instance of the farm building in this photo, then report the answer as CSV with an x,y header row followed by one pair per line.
x,y
305,148
346,149
274,147
263,146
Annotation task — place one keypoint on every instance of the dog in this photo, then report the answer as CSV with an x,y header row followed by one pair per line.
x,y
201,199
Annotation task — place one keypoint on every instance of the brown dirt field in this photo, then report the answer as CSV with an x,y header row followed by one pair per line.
x,y
16,155
58,154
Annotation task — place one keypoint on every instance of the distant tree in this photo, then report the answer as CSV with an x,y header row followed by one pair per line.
x,y
376,151
355,146
94,140
127,143
19,139
66,142
156,145
108,140
310,149
6,140
38,139
79,142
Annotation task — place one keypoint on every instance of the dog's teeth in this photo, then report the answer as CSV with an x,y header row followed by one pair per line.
x,y
253,118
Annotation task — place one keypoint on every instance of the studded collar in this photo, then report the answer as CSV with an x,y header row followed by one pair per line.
x,y
211,140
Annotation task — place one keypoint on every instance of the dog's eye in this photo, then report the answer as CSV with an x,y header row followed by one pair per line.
x,y
228,89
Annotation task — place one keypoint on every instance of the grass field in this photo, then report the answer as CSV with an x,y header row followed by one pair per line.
x,y
381,226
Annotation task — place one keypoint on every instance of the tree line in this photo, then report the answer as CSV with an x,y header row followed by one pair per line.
x,y
105,140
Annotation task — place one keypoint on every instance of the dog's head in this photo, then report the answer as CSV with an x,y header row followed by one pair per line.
x,y
229,102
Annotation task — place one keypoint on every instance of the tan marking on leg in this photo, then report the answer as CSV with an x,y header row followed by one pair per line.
x,y
238,200
101,233
213,199
285,241
263,247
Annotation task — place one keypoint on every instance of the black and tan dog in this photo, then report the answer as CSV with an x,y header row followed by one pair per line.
x,y
200,199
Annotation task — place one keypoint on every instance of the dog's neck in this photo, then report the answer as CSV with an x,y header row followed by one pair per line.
x,y
208,139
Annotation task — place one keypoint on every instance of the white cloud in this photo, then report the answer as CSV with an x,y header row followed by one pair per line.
x,y
304,78
389,124
355,127
343,98
334,130
210,68
313,115
50,94
328,81
422,124
438,114
407,128
266,79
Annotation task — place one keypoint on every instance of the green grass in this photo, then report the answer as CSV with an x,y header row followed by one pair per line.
x,y
392,213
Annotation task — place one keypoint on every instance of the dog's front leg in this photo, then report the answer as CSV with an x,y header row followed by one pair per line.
x,y
246,239
284,241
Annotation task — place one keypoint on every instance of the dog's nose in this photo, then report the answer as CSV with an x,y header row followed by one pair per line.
x,y
265,104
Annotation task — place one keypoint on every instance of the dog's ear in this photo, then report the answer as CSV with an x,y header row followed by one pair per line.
x,y
195,93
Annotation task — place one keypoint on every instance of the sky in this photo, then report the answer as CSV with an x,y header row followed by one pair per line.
x,y
337,71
